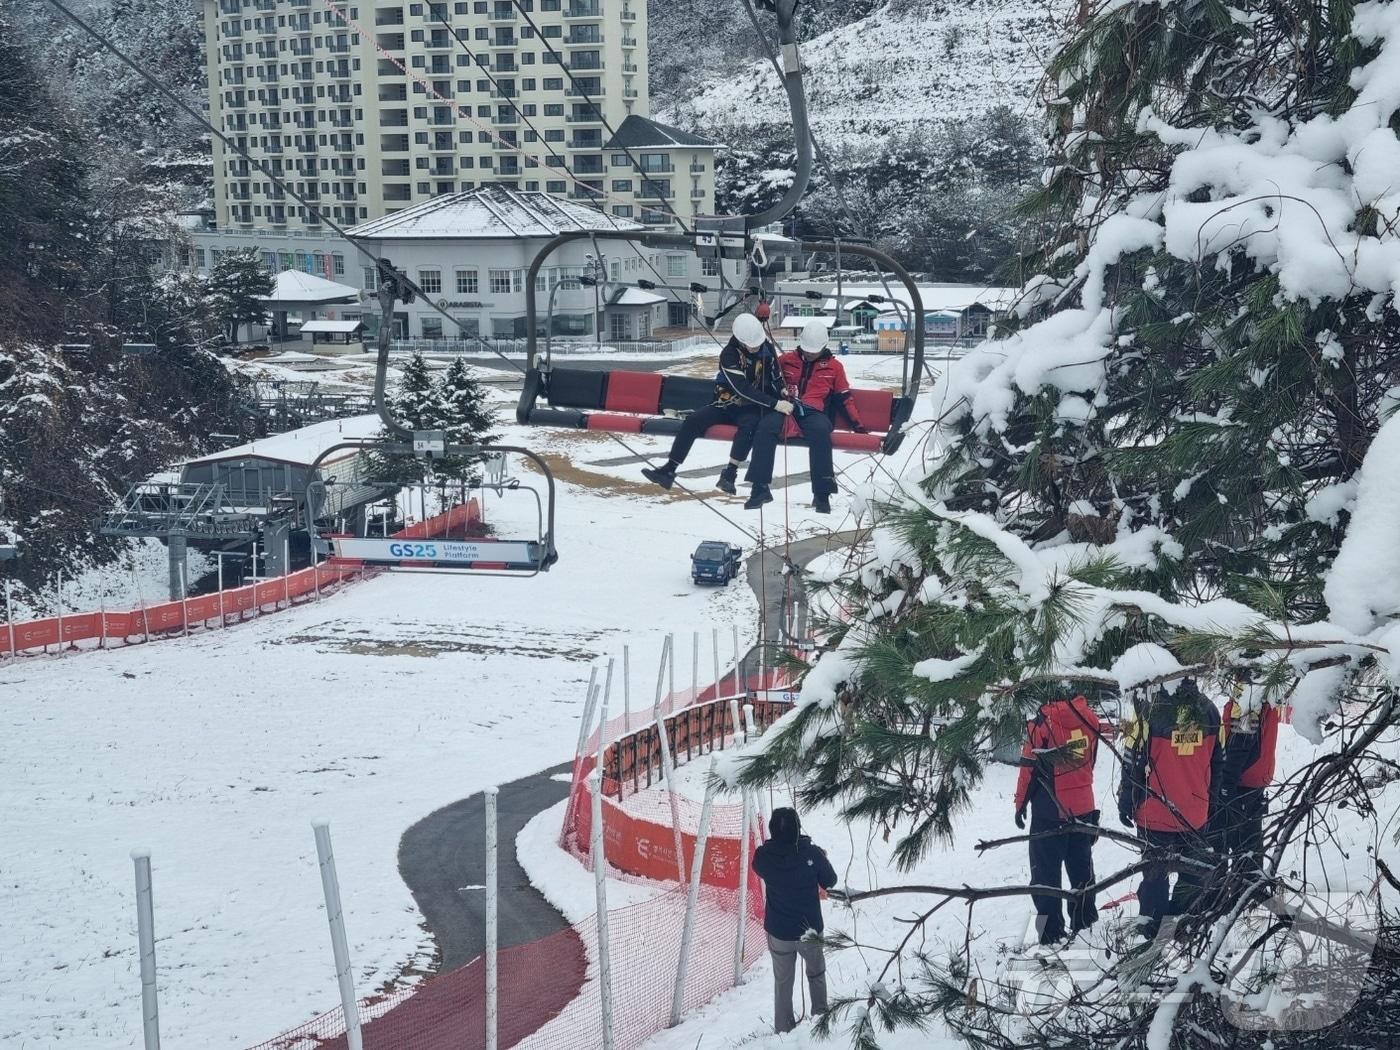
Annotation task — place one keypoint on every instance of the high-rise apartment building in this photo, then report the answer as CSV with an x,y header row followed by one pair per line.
x,y
369,107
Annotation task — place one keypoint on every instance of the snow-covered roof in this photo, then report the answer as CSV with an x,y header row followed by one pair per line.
x,y
640,133
637,297
796,322
300,447
489,212
957,297
336,327
851,304
293,286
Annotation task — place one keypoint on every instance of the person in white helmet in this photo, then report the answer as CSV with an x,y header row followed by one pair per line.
x,y
747,388
817,383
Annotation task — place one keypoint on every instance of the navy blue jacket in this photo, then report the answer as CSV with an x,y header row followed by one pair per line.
x,y
791,875
751,379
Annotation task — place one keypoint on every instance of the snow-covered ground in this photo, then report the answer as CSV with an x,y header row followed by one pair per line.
x,y
140,576
372,708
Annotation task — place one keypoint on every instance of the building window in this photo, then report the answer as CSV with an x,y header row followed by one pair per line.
x,y
500,282
370,278
554,109
518,279
554,187
430,281
709,267
467,283
675,266
623,211
553,83
619,160
432,328
622,185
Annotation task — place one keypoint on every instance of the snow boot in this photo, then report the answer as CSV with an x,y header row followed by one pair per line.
x,y
821,504
665,476
728,477
760,495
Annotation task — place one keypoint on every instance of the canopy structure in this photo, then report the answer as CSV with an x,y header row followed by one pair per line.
x,y
294,290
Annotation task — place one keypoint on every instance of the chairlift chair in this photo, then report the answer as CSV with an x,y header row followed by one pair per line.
x,y
468,556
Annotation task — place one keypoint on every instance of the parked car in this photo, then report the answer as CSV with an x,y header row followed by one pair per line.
x,y
715,562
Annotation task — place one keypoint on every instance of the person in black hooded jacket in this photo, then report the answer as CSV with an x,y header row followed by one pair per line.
x,y
793,871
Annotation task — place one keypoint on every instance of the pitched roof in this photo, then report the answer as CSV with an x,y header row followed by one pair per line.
x,y
293,286
640,133
489,212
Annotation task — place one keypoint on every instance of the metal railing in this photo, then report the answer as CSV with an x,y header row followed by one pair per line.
x,y
562,346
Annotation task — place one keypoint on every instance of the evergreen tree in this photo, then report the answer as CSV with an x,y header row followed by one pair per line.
x,y
1159,469
237,285
467,418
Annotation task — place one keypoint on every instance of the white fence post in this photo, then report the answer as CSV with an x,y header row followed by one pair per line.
x,y
492,941
330,886
693,899
695,667
668,771
738,688
626,689
671,668
750,729
587,720
739,733
10,620
599,862
714,652
600,889
745,842
146,941
660,678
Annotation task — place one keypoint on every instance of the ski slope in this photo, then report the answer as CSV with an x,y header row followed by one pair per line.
x,y
374,707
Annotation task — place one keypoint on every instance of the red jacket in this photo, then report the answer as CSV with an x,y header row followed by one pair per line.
x,y
1173,767
1057,762
1249,741
815,383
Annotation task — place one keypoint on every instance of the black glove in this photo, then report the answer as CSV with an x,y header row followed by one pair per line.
x,y
1125,816
1021,818
861,428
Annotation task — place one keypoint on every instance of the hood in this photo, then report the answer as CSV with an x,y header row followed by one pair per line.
x,y
1069,715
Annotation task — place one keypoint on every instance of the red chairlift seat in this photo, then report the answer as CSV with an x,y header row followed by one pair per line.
x,y
652,403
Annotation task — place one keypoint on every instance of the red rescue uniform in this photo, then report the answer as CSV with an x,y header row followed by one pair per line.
x,y
1057,761
818,383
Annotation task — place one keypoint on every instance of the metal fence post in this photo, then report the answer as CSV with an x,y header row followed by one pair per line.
x,y
184,603
10,620
600,890
287,570
671,669
492,941
693,898
315,571
737,688
668,771
330,886
745,840
714,652
587,719
146,943
626,689
660,678
60,612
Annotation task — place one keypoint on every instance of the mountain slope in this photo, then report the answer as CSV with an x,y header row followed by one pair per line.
x,y
902,65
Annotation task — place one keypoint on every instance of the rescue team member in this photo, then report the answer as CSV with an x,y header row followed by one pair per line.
x,y
1057,784
1173,765
1247,769
747,387
793,871
816,380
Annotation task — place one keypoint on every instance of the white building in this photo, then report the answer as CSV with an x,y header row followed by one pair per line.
x,y
951,311
388,104
470,253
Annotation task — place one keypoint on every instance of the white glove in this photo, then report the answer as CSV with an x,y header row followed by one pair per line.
x,y
785,407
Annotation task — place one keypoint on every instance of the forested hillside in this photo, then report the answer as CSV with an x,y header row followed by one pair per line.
x,y
929,113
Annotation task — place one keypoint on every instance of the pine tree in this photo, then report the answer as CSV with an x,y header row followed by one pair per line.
x,y
467,418
1151,473
237,285
417,402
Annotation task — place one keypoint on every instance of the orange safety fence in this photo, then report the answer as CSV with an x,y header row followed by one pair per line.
x,y
121,627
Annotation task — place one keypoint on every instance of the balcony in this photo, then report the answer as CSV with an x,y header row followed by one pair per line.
x,y
503,40
582,36
592,142
697,169
583,10
390,41
593,117
654,192
394,168
629,41
629,16
588,166
393,118
396,191
502,12
334,70
586,62
389,17
438,40
664,168
505,118
696,195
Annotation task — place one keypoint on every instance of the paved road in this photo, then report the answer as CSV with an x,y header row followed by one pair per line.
x,y
443,856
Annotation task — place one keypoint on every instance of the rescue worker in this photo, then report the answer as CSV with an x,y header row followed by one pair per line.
x,y
1173,766
742,444
1057,784
816,383
1248,738
747,388
793,871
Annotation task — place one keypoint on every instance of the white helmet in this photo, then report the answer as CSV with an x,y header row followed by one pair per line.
x,y
814,337
749,330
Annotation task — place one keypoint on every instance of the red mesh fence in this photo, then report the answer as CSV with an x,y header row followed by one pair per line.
x,y
169,617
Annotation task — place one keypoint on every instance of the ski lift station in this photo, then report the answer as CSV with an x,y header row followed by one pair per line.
x,y
253,493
